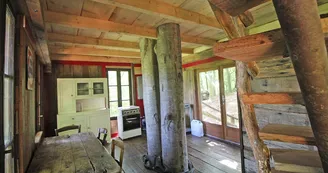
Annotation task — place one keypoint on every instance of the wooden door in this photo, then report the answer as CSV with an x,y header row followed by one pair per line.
x,y
66,92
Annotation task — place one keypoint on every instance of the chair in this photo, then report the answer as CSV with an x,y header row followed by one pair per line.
x,y
119,144
102,131
66,128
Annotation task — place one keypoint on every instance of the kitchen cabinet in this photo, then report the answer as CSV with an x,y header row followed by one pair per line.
x,y
93,87
66,96
83,101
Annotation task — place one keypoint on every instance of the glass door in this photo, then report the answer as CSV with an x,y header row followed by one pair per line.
x,y
218,102
210,102
119,90
98,88
231,104
82,88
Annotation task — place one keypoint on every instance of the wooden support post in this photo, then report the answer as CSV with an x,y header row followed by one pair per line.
x,y
151,102
300,24
260,150
174,142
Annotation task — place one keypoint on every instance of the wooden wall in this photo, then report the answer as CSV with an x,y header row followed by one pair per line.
x,y
50,89
189,88
25,99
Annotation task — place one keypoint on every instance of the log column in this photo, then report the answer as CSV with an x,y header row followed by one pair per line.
x,y
151,102
300,24
173,130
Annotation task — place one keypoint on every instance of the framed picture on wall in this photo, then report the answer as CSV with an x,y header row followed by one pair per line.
x,y
29,67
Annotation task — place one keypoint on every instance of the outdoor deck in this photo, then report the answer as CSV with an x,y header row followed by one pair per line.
x,y
207,155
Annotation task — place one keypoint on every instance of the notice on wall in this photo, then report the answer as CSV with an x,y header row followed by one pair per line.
x,y
29,67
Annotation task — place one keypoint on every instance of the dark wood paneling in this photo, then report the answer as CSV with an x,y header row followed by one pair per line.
x,y
25,99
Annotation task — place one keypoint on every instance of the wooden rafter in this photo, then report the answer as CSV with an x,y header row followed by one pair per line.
x,y
109,26
62,38
37,17
93,52
165,10
59,57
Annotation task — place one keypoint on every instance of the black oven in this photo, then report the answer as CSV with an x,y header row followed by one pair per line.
x,y
131,122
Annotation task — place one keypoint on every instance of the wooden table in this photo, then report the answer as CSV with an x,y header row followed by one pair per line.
x,y
78,153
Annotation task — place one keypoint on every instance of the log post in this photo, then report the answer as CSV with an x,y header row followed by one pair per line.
x,y
151,101
173,130
300,24
260,150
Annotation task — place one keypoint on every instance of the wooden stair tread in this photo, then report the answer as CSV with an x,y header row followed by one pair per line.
x,y
273,98
296,160
288,133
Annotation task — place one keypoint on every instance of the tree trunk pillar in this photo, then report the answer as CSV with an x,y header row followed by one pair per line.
x,y
151,102
173,130
300,24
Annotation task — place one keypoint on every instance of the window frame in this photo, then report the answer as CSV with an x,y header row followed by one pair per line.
x,y
119,85
3,6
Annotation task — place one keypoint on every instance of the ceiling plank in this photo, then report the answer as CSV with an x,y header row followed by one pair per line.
x,y
165,10
62,38
60,57
92,52
108,26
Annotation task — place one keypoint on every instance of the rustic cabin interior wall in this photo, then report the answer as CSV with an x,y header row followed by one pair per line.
x,y
273,81
25,99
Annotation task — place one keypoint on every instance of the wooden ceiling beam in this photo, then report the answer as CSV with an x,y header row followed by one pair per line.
x,y
63,38
92,52
165,10
60,57
109,26
37,17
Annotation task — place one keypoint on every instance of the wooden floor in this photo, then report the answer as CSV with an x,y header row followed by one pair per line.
x,y
207,155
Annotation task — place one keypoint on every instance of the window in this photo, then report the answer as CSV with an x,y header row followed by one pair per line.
x,y
119,90
8,90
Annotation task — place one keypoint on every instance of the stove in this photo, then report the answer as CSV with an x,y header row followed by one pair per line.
x,y
128,121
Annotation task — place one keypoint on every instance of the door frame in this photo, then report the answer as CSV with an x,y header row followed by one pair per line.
x,y
218,131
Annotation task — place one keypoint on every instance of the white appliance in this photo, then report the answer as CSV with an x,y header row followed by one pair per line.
x,y
128,122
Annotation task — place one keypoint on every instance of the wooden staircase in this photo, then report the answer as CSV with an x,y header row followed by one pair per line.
x,y
287,160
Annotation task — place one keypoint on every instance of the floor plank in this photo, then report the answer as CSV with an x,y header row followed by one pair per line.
x,y
207,155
